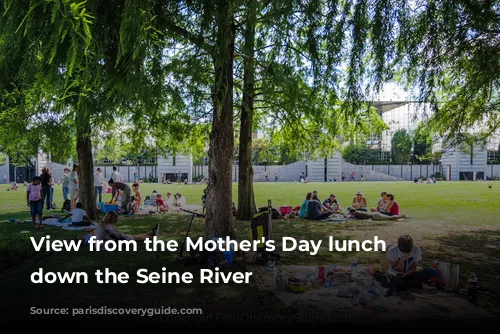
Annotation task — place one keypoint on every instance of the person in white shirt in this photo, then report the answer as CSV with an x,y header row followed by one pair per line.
x,y
98,181
169,200
78,217
117,177
180,201
404,259
73,186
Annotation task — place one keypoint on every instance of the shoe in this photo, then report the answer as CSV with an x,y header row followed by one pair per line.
x,y
156,230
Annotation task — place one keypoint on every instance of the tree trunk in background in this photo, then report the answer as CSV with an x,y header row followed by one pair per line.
x,y
86,162
246,200
219,215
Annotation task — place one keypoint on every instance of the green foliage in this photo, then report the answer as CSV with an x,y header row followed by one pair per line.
x,y
68,62
422,146
14,249
360,154
450,52
401,147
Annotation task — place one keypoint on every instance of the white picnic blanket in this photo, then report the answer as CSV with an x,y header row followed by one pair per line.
x,y
65,224
54,222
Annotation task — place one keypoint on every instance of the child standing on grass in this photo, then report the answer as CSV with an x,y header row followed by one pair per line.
x,y
34,198
137,196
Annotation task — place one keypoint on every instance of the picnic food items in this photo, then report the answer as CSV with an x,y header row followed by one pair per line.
x,y
297,284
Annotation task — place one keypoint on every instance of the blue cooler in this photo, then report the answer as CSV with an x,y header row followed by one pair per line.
x,y
105,208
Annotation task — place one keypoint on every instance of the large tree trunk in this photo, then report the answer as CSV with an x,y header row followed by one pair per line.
x,y
219,215
86,162
246,200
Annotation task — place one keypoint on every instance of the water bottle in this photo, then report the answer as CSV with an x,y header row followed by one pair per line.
x,y
472,285
229,256
354,268
280,282
270,265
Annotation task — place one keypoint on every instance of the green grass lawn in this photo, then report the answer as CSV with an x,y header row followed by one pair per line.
x,y
453,221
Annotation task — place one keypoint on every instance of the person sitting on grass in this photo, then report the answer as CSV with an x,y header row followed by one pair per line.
x,y
332,204
180,201
34,198
392,209
314,209
78,217
160,204
359,202
304,206
404,259
382,202
106,230
169,200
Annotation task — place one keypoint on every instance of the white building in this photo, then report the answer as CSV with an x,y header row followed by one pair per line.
x,y
459,165
164,166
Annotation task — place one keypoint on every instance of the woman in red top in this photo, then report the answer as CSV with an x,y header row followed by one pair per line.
x,y
392,210
160,204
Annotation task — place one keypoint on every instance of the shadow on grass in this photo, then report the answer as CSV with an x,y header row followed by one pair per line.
x,y
214,300
477,251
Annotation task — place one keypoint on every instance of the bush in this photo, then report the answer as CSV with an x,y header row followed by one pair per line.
x,y
14,249
198,178
438,176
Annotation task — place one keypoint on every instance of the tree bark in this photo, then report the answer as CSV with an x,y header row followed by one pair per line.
x,y
246,199
86,162
219,215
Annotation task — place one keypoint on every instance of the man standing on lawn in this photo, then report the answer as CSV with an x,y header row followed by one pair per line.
x,y
98,182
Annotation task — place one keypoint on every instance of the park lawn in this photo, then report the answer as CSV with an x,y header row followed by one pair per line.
x,y
453,221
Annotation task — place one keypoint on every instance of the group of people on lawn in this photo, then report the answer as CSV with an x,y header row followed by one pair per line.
x,y
403,257
40,191
312,208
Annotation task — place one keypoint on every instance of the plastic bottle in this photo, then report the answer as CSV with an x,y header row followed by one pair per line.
x,y
280,281
229,256
354,268
321,275
472,285
270,265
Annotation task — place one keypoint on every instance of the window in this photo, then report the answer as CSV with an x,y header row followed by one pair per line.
x,y
492,155
173,161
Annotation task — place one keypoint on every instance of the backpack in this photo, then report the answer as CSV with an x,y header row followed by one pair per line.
x,y
66,206
275,214
217,259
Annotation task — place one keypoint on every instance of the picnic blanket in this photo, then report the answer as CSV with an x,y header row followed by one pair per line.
x,y
338,218
55,222
79,228
65,225
368,303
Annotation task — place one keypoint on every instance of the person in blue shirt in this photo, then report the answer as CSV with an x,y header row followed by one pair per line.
x,y
332,204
